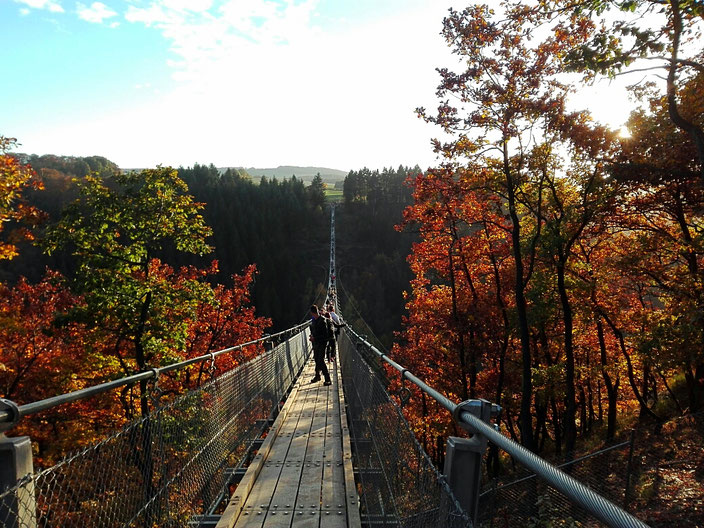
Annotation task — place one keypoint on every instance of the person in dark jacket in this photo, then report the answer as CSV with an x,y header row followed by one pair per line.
x,y
319,338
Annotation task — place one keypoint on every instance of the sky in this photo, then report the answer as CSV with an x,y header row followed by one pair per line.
x,y
250,83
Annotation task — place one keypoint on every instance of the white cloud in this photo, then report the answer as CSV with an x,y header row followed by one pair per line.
x,y
264,85
24,11
51,5
96,13
195,6
154,15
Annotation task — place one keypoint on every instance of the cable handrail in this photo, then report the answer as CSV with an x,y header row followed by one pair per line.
x,y
14,413
600,507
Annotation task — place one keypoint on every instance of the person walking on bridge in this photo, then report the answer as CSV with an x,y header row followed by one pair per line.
x,y
319,338
336,323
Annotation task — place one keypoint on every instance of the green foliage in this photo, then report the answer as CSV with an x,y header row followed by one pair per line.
x,y
109,228
316,192
551,515
272,224
115,235
79,167
371,254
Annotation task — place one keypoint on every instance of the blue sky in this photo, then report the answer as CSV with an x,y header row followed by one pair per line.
x,y
259,83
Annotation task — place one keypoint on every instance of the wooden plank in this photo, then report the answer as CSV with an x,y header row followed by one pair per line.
x,y
307,514
333,512
307,519
259,504
308,498
310,461
282,508
237,501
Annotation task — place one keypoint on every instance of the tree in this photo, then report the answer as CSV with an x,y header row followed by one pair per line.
x,y
230,319
664,192
15,178
612,37
115,235
316,192
506,93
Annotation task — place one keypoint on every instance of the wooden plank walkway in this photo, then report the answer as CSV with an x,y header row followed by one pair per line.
x,y
302,476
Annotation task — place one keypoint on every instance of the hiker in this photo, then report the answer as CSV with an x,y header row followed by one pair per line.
x,y
336,324
319,338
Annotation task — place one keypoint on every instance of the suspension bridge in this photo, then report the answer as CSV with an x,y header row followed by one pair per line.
x,y
262,446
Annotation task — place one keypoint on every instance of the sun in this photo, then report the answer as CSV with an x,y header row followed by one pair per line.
x,y
624,133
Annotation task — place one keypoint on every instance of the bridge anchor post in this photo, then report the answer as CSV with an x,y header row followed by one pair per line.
x,y
17,508
463,457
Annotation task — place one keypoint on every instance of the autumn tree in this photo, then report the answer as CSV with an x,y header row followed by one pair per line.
x,y
457,330
616,37
658,167
115,231
229,320
506,93
40,359
15,178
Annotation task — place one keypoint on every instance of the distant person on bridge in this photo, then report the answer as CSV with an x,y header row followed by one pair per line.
x,y
319,338
331,349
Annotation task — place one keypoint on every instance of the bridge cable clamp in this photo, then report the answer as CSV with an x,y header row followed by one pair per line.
x,y
404,393
211,364
13,409
155,391
482,409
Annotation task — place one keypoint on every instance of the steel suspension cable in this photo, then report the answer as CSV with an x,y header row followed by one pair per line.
x,y
19,411
603,509
359,315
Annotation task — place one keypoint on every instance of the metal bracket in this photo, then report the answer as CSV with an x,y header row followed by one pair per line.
x,y
404,393
463,459
211,364
13,409
482,409
155,391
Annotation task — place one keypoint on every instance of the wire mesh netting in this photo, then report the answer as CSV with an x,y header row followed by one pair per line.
x,y
528,501
396,481
163,469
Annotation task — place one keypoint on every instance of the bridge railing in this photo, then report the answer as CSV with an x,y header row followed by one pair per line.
x,y
397,482
159,470
463,459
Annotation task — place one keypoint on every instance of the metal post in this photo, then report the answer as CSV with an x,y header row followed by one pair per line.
x,y
18,507
463,458
629,470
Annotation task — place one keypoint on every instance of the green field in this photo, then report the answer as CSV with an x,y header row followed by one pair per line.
x,y
333,195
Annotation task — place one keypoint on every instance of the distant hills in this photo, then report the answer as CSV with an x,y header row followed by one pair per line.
x,y
80,166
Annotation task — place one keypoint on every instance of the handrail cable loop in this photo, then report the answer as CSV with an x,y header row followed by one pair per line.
x,y
155,391
211,365
404,393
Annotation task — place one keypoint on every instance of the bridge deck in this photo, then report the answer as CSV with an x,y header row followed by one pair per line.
x,y
302,476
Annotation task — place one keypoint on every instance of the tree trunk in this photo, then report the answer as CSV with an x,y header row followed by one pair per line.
x,y
526,421
611,386
672,394
570,404
557,426
694,131
459,328
629,369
